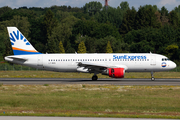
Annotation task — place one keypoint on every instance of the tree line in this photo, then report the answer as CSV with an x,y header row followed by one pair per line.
x,y
94,28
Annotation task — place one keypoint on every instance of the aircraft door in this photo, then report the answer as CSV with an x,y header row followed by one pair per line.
x,y
153,60
40,60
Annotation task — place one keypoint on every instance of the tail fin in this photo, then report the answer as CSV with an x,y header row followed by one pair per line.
x,y
20,44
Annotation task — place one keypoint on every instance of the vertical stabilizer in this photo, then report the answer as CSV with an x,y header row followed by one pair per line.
x,y
20,45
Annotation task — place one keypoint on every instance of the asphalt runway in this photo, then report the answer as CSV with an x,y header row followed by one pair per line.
x,y
32,81
67,118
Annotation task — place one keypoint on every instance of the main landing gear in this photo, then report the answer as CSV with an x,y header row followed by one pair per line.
x,y
94,77
152,76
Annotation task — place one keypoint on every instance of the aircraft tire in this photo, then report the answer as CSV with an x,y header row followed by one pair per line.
x,y
94,78
152,79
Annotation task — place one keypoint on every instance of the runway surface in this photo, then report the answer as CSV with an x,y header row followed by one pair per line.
x,y
31,81
67,118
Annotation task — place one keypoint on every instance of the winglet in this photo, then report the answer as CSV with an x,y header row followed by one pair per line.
x,y
20,45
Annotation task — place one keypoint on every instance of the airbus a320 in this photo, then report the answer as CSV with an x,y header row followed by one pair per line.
x,y
114,65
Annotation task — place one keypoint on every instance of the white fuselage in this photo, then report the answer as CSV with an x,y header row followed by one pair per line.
x,y
131,62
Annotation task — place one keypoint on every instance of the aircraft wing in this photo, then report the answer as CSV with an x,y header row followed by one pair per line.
x,y
88,64
98,67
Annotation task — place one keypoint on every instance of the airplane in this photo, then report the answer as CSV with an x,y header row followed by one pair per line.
x,y
113,64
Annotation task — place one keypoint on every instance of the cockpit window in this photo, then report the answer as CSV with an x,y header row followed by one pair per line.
x,y
165,59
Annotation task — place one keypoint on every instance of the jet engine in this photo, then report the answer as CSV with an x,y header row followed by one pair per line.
x,y
115,72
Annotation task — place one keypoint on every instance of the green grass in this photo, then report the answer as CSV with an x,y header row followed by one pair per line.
x,y
90,100
49,74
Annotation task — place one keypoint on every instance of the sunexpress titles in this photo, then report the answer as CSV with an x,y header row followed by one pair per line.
x,y
128,57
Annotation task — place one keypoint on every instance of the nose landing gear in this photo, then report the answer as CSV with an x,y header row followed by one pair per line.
x,y
152,76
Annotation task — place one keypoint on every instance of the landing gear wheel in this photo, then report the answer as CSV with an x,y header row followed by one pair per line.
x,y
94,78
153,79
152,76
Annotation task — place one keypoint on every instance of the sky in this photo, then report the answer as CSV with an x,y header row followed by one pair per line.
x,y
169,4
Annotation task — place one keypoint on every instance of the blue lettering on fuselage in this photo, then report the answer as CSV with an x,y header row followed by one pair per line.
x,y
128,57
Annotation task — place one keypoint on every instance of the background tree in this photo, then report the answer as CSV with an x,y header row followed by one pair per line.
x,y
50,23
81,47
101,44
61,48
146,18
92,8
128,22
124,6
108,48
4,10
171,51
173,19
111,15
177,10
164,11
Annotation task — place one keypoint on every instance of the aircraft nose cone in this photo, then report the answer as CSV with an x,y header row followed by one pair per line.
x,y
173,65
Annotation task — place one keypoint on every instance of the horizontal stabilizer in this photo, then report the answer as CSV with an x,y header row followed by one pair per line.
x,y
11,58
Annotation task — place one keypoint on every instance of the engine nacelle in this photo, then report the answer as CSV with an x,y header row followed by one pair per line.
x,y
115,72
